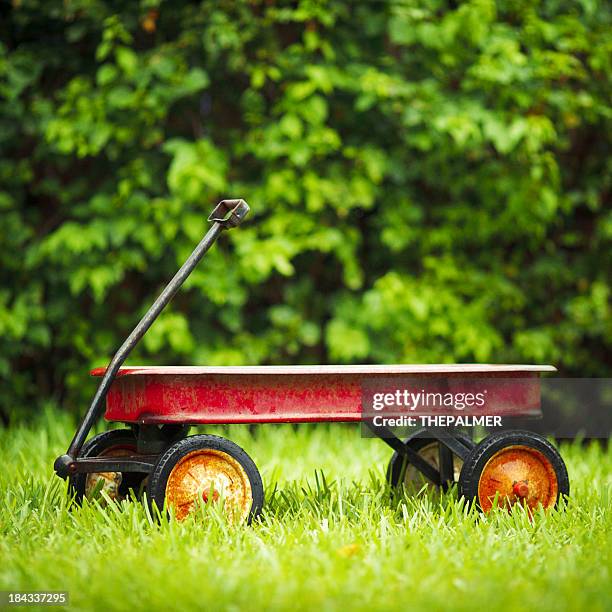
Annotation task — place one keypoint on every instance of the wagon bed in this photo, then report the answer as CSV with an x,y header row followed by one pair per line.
x,y
288,394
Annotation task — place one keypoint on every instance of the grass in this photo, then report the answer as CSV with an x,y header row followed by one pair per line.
x,y
329,538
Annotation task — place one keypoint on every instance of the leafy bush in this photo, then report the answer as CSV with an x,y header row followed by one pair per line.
x,y
429,181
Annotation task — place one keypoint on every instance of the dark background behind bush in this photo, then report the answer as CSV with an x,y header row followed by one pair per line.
x,y
429,180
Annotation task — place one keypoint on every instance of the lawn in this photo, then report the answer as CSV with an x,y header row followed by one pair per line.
x,y
330,538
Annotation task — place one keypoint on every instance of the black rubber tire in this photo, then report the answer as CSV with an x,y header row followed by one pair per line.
x,y
95,447
482,452
417,441
156,489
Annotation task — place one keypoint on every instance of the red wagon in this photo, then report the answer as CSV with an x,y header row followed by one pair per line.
x,y
159,404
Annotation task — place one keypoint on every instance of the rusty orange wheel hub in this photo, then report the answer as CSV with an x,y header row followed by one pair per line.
x,y
518,475
111,481
209,475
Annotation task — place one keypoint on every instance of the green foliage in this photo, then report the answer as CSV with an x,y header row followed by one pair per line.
x,y
429,181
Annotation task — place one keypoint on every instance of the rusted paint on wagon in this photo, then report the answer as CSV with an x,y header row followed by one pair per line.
x,y
205,474
292,394
518,475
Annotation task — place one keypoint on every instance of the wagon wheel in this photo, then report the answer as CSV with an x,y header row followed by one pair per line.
x,y
117,485
401,472
514,467
206,468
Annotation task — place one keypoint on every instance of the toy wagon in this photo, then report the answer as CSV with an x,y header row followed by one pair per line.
x,y
178,471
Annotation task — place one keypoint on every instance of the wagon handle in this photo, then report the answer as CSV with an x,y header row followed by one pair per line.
x,y
227,214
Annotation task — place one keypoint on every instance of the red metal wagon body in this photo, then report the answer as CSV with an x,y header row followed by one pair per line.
x,y
150,395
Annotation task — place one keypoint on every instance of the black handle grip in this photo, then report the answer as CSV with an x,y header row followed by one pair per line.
x,y
229,213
